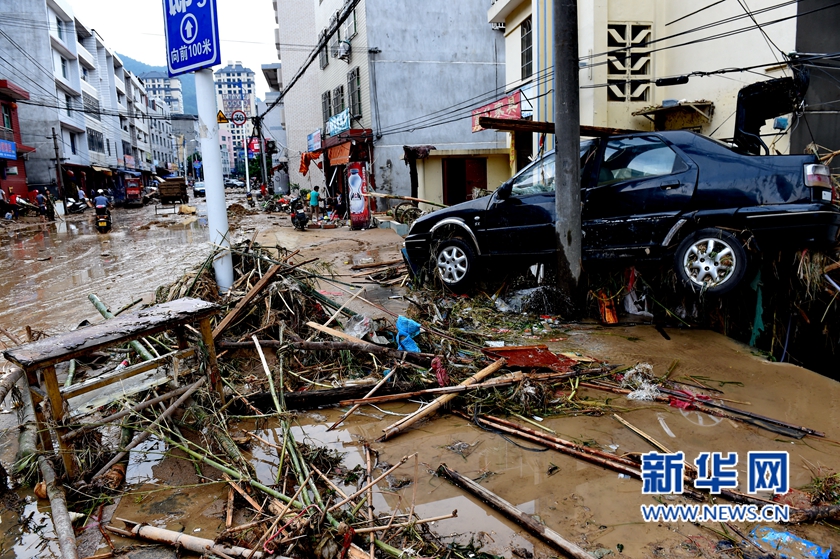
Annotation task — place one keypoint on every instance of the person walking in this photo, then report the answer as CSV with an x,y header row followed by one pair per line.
x,y
313,204
41,200
14,205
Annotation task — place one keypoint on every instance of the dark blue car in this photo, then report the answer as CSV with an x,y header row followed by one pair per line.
x,y
646,196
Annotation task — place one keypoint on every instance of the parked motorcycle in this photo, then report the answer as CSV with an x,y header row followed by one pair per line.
x,y
299,217
75,206
103,219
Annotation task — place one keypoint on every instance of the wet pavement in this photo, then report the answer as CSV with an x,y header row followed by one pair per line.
x,y
50,273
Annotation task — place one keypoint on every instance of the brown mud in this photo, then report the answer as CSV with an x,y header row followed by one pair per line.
x,y
591,506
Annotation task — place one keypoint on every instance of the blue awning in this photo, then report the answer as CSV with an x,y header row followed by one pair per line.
x,y
128,172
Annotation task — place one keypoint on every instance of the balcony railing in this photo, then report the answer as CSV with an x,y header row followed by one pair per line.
x,y
7,134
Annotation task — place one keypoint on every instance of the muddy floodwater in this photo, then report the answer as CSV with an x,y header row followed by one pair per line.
x,y
47,274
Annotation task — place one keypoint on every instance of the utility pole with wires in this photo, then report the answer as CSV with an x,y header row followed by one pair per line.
x,y
58,169
258,122
567,149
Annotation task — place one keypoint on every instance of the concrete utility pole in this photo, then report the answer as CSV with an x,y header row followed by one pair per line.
x,y
258,121
567,146
205,92
58,170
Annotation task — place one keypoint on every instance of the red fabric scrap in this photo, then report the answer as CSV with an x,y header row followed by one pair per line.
x,y
440,372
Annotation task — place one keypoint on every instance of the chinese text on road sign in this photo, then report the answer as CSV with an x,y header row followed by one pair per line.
x,y
192,35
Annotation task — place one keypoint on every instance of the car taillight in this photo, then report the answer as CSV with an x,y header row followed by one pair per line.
x,y
817,176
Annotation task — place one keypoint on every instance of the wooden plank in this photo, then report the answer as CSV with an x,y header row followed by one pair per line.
x,y
541,127
212,365
114,376
121,329
50,384
376,264
258,287
336,333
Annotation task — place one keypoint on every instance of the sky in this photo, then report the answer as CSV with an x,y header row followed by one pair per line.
x,y
246,31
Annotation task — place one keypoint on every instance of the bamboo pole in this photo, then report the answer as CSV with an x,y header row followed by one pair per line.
x,y
119,415
148,431
402,424
135,345
28,437
9,380
373,390
370,484
543,532
453,514
181,540
60,516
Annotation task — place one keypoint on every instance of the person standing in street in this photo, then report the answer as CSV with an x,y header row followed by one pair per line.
x,y
5,207
41,200
313,204
14,205
83,197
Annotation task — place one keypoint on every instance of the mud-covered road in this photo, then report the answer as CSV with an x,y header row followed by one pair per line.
x,y
46,276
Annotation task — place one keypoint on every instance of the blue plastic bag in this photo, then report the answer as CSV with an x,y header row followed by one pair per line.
x,y
406,330
787,545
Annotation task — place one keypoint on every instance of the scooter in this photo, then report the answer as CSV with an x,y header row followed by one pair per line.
x,y
299,217
75,206
103,219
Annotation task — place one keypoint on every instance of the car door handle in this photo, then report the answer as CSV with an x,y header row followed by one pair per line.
x,y
670,185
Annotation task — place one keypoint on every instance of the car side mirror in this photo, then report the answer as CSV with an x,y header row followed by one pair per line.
x,y
504,191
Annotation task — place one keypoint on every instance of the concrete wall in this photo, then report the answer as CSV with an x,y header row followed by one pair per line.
x,y
433,57
296,23
430,175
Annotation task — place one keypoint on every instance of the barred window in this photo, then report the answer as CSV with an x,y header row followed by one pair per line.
x,y
326,106
334,40
323,55
527,51
338,99
629,70
96,141
348,29
354,92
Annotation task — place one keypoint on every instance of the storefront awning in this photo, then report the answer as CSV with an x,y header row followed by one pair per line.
x,y
104,170
339,155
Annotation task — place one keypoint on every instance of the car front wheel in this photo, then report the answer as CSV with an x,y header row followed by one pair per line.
x,y
455,263
711,261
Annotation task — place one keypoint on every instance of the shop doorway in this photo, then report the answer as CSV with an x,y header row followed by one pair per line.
x,y
462,178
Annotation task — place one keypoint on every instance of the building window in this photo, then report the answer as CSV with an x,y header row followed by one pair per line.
x,y
7,117
68,104
527,40
348,29
628,69
64,67
338,99
59,25
354,92
323,55
96,141
91,105
326,106
108,145
334,41
84,73
72,143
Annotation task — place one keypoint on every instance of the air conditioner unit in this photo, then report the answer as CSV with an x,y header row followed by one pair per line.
x,y
344,51
497,26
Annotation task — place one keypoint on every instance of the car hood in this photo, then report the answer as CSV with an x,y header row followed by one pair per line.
x,y
462,210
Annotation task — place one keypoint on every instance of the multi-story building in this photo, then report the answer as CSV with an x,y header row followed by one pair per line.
x,y
386,67
274,127
296,26
235,92
185,130
81,93
625,45
160,85
13,153
164,156
226,149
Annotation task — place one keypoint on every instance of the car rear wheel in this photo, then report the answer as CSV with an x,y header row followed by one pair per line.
x,y
455,263
711,261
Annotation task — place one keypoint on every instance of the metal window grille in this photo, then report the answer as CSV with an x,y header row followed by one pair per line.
x,y
96,141
348,29
91,105
323,54
326,106
527,49
629,70
354,91
338,99
334,40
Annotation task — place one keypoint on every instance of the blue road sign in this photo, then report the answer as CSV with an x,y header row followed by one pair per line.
x,y
192,35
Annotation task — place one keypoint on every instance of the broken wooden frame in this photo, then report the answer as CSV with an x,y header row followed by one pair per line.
x,y
38,359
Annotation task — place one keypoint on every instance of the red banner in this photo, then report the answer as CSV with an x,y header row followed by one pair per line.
x,y
357,188
509,107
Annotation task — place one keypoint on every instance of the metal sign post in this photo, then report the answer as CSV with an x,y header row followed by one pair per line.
x,y
192,45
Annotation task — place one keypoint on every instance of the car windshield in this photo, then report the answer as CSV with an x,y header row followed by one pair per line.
x,y
538,177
